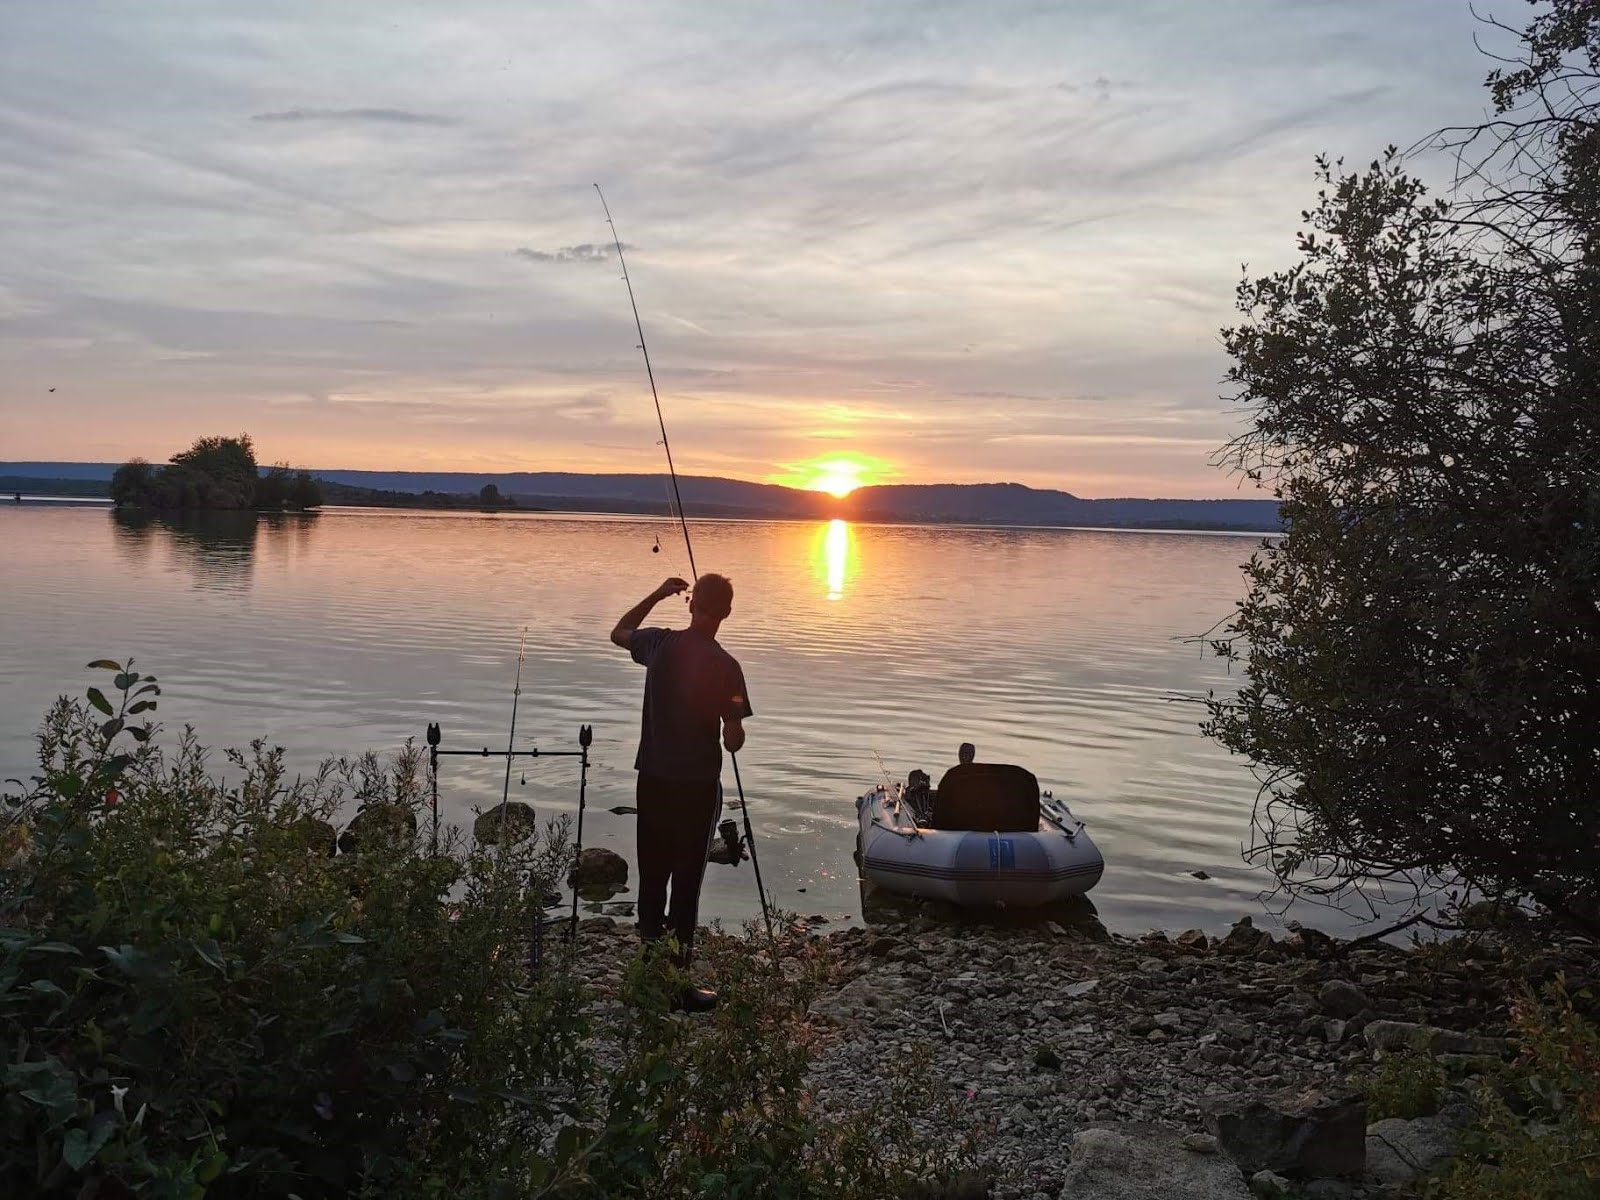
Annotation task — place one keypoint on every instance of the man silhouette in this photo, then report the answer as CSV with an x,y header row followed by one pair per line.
x,y
693,690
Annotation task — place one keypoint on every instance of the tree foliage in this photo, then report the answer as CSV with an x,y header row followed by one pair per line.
x,y
198,997
1421,651
213,473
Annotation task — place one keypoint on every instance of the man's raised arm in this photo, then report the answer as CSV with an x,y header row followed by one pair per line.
x,y
622,635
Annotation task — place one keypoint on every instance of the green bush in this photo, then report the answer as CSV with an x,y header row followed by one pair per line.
x,y
197,996
193,992
1404,1085
1539,1134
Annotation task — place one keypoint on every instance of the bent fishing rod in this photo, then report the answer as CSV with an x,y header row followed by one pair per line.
x,y
650,374
688,545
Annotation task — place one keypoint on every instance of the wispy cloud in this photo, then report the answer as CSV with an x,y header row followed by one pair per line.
x,y
383,116
583,252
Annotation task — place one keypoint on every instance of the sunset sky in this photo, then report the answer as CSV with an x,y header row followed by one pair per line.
x,y
929,241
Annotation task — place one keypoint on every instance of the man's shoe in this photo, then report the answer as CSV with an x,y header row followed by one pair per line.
x,y
696,1000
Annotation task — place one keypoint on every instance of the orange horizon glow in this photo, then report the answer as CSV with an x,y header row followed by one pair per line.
x,y
837,475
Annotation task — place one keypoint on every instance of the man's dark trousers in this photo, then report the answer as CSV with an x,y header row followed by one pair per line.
x,y
677,818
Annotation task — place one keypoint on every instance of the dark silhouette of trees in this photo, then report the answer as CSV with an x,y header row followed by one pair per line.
x,y
304,492
489,496
131,481
214,473
1421,652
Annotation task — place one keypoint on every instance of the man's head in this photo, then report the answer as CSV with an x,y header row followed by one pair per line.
x,y
712,599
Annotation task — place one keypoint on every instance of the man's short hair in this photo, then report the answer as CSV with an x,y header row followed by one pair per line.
x,y
713,595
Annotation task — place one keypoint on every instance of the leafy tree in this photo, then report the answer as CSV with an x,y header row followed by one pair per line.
x,y
305,493
1421,652
219,456
274,487
489,496
131,482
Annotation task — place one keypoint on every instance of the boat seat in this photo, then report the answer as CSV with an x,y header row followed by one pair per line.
x,y
994,797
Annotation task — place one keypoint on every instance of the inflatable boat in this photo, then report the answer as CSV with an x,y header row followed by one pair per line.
x,y
985,838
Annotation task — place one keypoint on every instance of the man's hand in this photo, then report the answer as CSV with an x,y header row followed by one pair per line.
x,y
733,736
622,635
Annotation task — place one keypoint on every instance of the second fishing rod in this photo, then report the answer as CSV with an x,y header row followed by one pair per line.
x,y
688,545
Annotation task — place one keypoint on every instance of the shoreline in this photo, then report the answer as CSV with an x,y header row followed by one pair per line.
x,y
1041,1034
549,509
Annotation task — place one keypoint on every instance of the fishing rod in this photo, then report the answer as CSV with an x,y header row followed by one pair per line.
x,y
503,835
688,545
511,739
650,374
750,840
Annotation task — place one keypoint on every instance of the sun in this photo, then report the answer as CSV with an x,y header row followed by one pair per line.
x,y
836,476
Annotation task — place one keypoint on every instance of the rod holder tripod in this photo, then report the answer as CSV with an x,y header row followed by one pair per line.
x,y
585,740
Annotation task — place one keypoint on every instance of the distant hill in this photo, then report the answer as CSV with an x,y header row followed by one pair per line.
x,y
709,496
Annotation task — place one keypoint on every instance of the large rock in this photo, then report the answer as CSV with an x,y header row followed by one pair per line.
x,y
385,825
1491,914
315,834
1146,1162
1399,1151
1301,1134
865,995
1341,998
1429,1039
1245,938
519,823
599,867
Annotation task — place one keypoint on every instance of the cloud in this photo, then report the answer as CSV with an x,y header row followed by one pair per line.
x,y
385,116
953,235
584,252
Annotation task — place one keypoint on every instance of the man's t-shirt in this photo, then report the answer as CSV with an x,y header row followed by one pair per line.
x,y
691,685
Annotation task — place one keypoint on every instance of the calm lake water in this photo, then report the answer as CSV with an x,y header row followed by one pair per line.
x,y
348,630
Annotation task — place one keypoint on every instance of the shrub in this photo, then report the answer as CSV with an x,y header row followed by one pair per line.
x,y
197,995
1539,1134
193,992
1404,1085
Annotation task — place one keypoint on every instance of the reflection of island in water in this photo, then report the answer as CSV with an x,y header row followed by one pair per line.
x,y
218,548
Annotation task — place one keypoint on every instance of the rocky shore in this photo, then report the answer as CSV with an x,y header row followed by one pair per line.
x,y
1097,1067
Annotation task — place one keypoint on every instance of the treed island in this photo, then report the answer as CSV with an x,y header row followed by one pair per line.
x,y
216,473
221,474
223,977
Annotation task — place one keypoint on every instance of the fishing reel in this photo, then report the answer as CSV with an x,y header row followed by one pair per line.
x,y
731,849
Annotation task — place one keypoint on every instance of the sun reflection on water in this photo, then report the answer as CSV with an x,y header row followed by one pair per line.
x,y
834,556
